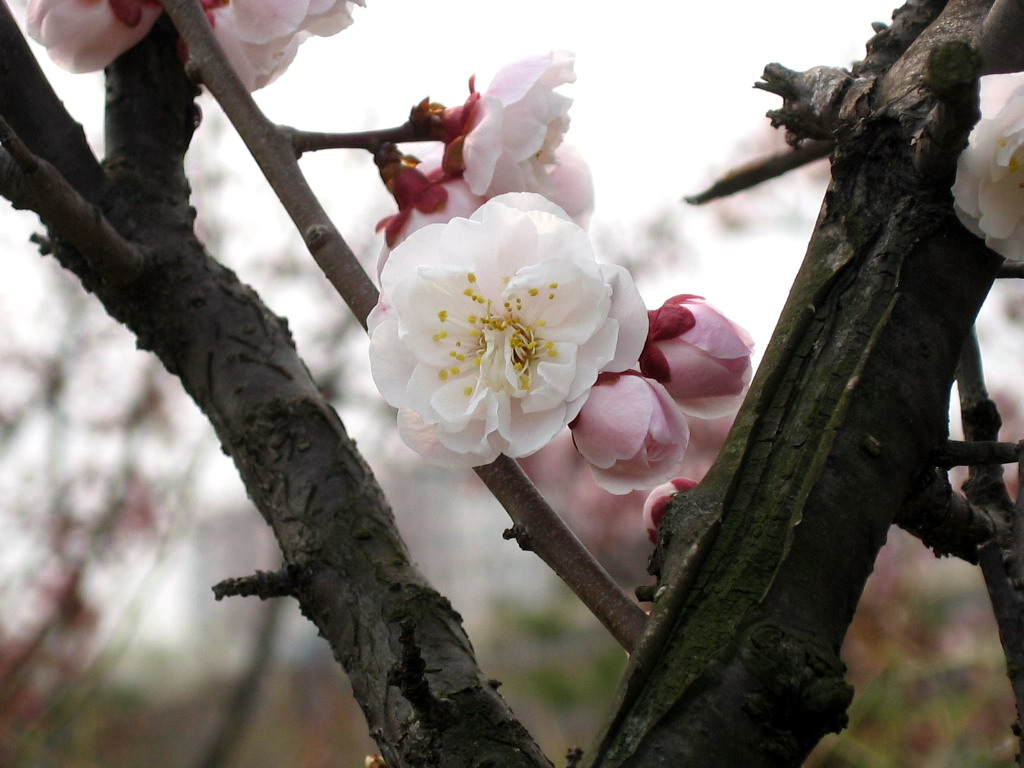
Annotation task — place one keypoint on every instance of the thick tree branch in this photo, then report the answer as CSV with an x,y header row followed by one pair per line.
x,y
1001,36
558,547
739,664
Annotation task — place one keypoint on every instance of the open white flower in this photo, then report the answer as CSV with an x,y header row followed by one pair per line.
x,y
491,330
988,193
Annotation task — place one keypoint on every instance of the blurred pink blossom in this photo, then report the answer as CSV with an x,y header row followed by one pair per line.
x,y
658,500
86,35
631,432
701,357
260,37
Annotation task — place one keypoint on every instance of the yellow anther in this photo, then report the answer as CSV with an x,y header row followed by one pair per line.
x,y
524,382
442,315
468,292
440,335
455,370
552,353
471,277
467,391
534,291
442,375
551,295
471,319
552,286
541,323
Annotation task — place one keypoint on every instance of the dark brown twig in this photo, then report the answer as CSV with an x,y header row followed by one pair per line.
x,y
965,454
764,169
985,487
262,584
49,194
371,141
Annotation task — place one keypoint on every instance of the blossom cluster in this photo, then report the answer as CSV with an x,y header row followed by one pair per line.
x,y
260,37
507,138
496,327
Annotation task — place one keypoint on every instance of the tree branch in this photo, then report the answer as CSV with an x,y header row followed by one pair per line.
x,y
964,454
371,141
32,108
945,521
558,547
763,169
985,487
1001,35
47,193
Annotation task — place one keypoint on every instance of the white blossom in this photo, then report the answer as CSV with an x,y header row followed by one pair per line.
x,y
989,190
491,330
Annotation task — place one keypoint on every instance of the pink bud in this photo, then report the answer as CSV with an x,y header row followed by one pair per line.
x,y
699,355
658,501
631,432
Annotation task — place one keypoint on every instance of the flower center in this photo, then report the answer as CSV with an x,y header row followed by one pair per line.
x,y
504,344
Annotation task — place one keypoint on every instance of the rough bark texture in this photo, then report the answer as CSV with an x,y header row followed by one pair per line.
x,y
763,564
411,665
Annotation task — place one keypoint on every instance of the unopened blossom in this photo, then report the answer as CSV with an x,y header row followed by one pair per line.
x,y
631,432
86,35
490,331
700,355
508,138
425,194
988,194
658,501
260,37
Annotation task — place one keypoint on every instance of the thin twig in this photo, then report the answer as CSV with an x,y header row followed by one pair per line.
x,y
764,169
311,141
50,195
275,154
272,149
985,487
262,584
956,453
549,537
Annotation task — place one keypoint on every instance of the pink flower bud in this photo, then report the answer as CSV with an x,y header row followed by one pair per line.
x,y
658,501
631,432
699,355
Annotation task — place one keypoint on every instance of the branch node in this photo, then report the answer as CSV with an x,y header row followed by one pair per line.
x,y
262,584
521,535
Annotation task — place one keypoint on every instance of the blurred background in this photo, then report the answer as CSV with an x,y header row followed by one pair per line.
x,y
118,510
